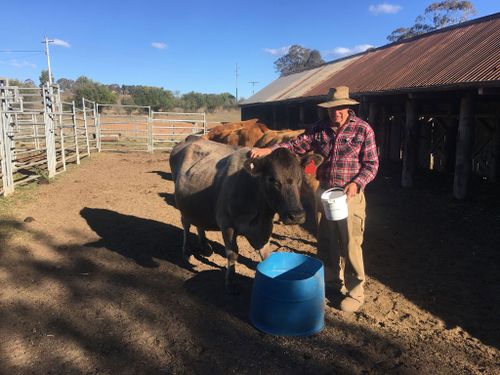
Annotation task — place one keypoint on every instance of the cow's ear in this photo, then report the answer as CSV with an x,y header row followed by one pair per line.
x,y
314,158
254,166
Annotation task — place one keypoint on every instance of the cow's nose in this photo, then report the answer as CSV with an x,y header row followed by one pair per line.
x,y
296,217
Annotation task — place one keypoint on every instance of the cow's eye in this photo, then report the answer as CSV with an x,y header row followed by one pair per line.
x,y
274,181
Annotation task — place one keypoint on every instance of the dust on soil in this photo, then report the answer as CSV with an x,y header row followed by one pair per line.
x,y
96,284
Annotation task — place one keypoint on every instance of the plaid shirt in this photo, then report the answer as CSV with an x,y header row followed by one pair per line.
x,y
350,156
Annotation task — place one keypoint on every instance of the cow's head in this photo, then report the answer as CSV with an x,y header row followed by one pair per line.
x,y
281,174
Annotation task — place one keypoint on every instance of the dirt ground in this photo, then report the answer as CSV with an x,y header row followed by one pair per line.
x,y
93,282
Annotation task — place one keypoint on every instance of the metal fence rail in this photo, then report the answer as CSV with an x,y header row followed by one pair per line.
x,y
40,134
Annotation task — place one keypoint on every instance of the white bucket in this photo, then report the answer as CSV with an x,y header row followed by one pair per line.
x,y
335,204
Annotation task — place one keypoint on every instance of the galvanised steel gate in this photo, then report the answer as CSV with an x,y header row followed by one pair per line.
x,y
138,128
40,134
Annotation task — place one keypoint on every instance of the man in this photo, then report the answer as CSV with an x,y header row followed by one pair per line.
x,y
347,145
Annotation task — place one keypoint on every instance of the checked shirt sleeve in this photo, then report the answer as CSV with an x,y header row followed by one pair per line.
x,y
369,160
299,145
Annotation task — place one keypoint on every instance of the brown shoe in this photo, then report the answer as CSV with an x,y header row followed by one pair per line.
x,y
350,304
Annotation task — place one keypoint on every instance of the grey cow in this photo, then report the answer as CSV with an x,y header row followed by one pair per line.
x,y
217,187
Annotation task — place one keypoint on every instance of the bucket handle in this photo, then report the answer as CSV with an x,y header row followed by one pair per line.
x,y
336,188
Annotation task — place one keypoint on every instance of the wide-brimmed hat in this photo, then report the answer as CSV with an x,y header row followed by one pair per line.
x,y
338,97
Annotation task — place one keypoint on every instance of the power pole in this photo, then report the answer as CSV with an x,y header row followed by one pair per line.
x,y
253,86
47,41
237,74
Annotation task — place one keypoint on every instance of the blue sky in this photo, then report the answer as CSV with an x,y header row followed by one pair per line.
x,y
192,45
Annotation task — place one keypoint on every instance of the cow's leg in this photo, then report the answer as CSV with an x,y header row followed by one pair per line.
x,y
186,251
229,235
206,248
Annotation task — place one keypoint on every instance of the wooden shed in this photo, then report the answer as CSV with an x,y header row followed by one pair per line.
x,y
433,100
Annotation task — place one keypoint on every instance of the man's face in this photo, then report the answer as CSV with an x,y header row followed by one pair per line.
x,y
338,115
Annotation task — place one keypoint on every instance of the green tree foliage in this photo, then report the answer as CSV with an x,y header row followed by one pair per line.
x,y
164,100
44,78
114,87
65,84
297,59
192,101
19,83
156,97
195,101
91,90
437,15
128,101
29,83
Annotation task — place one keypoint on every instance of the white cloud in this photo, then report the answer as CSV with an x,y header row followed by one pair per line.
x,y
62,43
277,51
343,51
385,9
158,45
18,64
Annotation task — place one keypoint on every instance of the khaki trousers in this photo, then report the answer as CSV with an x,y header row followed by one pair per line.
x,y
339,248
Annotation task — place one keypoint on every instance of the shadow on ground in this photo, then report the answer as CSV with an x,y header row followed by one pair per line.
x,y
440,253
95,312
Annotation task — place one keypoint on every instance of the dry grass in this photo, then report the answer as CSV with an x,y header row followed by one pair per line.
x,y
225,116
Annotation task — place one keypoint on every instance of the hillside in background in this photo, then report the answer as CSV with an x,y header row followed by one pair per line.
x,y
158,98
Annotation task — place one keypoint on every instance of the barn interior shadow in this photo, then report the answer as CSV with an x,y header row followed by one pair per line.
x,y
438,252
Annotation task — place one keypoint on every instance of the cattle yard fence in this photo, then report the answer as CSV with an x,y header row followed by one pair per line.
x,y
40,134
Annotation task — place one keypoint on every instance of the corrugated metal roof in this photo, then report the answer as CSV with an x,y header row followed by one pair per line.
x,y
468,53
296,85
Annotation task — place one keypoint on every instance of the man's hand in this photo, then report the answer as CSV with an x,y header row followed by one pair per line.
x,y
351,190
256,152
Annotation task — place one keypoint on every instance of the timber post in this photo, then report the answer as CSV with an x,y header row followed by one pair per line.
x,y
302,115
409,143
373,110
275,117
463,164
496,148
395,138
450,142
363,108
424,144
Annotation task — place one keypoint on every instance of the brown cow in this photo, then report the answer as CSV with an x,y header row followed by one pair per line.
x,y
273,137
220,133
249,135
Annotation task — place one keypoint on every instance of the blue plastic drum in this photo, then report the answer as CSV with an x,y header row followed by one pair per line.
x,y
288,295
